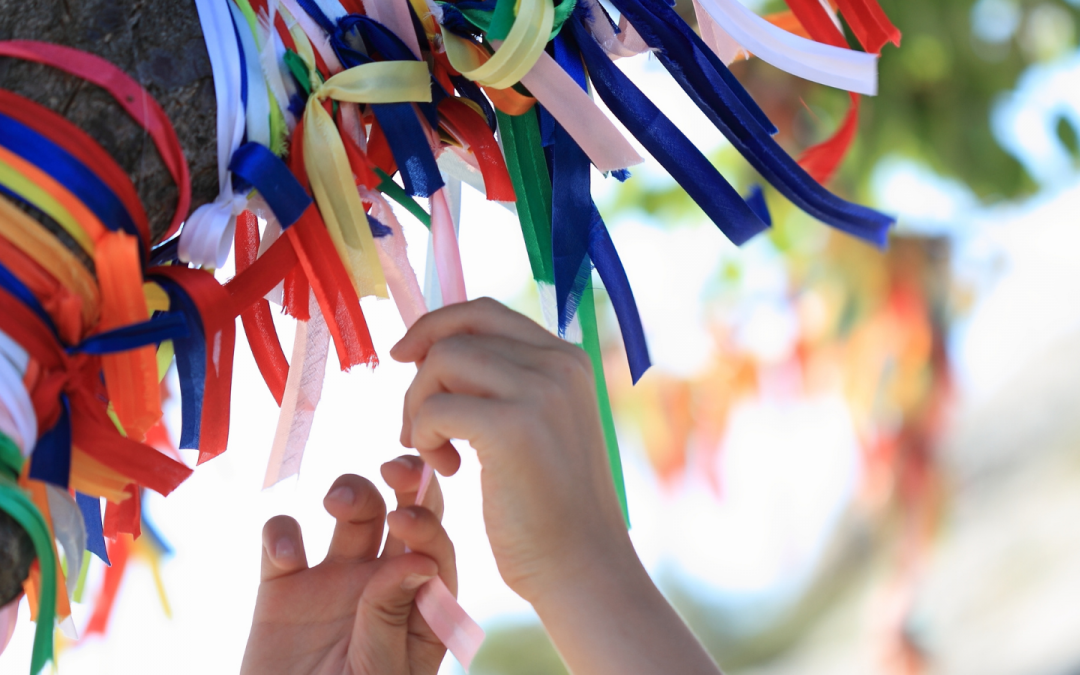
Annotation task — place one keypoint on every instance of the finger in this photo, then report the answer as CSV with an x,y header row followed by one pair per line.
x,y
283,548
481,316
422,532
445,416
360,513
402,474
380,635
477,365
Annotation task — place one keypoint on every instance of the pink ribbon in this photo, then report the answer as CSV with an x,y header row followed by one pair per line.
x,y
447,255
568,103
450,623
9,613
303,389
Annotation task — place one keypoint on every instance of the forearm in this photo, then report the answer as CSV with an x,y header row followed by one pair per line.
x,y
613,619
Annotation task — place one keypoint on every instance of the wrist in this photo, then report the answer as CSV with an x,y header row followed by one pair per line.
x,y
587,575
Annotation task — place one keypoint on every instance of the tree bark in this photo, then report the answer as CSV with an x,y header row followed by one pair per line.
x,y
159,44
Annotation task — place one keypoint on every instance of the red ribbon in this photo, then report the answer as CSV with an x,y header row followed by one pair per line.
x,y
871,26
85,149
135,100
218,314
79,376
474,131
327,275
822,160
257,320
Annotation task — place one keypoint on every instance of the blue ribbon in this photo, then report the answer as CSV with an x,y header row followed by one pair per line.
x,y
166,253
378,229
51,460
472,91
606,258
13,285
728,105
681,158
190,363
356,39
95,536
151,532
167,326
269,175
67,170
579,237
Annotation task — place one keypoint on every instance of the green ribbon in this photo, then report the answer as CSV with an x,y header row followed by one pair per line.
x,y
496,24
532,184
11,460
394,191
15,502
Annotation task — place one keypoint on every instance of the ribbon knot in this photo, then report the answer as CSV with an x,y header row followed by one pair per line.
x,y
207,235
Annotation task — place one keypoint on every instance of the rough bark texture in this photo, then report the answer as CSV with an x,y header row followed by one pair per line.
x,y
16,554
158,43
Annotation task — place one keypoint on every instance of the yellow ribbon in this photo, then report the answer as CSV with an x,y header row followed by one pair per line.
x,y
15,176
328,166
515,56
28,235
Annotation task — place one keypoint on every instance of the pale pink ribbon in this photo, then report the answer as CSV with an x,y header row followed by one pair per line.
x,y
394,257
442,612
303,389
568,103
9,614
394,14
316,35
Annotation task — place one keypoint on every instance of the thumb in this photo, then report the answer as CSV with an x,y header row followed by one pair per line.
x,y
380,633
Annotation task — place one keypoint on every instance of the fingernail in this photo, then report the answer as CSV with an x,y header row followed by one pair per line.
x,y
404,461
342,494
408,512
415,581
284,549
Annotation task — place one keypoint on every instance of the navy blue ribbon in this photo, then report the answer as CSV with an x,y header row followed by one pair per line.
x,y
190,363
355,40
728,105
166,253
51,460
167,326
67,170
609,266
95,536
579,237
268,174
681,158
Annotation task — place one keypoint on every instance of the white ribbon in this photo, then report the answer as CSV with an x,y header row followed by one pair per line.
x,y
316,35
17,417
258,97
833,66
207,235
272,63
70,530
626,43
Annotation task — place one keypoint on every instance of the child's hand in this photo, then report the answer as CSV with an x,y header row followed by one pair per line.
x,y
353,612
526,401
